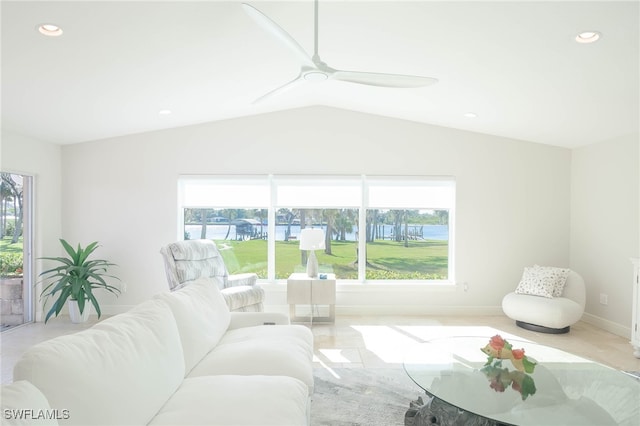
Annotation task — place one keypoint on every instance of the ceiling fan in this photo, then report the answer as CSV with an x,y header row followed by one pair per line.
x,y
313,69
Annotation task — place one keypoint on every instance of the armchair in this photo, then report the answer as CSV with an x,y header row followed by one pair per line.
x,y
186,261
548,314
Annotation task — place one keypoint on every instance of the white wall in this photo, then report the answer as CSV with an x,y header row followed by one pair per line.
x,y
605,218
512,196
42,160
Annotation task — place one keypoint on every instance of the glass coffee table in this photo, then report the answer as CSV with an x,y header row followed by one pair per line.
x,y
563,389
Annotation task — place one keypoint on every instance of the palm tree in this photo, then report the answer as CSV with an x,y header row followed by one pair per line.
x,y
203,222
15,190
289,216
345,222
330,216
443,215
397,224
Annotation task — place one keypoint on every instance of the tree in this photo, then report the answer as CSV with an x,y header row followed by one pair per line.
x,y
203,224
406,229
372,225
344,223
397,224
231,215
289,216
330,216
5,196
443,216
14,188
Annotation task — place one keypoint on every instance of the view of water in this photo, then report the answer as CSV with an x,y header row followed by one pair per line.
x,y
219,232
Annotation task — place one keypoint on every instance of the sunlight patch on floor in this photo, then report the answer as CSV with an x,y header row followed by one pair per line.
x,y
387,343
429,332
334,355
326,367
392,343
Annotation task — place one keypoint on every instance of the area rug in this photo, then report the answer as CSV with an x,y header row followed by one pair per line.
x,y
361,396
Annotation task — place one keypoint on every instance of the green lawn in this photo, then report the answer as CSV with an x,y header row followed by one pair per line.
x,y
7,247
425,259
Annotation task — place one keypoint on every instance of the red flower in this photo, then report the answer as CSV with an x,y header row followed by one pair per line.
x,y
497,385
497,342
518,353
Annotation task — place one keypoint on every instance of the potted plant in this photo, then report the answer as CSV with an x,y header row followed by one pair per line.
x,y
76,279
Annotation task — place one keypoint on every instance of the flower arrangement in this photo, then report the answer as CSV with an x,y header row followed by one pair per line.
x,y
500,378
499,348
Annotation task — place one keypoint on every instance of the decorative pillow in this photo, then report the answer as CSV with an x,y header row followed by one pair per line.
x,y
545,281
536,283
559,275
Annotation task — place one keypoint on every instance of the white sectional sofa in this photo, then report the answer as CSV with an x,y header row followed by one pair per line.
x,y
179,359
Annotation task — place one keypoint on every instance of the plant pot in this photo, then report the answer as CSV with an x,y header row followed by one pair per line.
x,y
74,312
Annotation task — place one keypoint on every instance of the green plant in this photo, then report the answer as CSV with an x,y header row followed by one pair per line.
x,y
9,229
10,264
76,278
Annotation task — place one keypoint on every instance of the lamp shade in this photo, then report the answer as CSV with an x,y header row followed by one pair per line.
x,y
311,239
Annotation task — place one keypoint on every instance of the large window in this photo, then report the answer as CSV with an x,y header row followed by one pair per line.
x,y
407,224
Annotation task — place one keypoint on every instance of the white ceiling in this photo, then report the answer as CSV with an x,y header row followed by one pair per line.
x,y
515,64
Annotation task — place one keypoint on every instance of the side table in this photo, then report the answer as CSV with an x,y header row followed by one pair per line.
x,y
304,290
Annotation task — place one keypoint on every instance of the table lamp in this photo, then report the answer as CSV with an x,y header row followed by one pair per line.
x,y
312,239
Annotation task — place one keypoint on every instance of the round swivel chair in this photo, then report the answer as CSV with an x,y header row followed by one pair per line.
x,y
548,315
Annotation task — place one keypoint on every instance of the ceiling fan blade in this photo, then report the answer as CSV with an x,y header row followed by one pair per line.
x,y
269,25
383,80
285,87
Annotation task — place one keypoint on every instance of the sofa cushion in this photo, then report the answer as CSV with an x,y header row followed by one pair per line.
x,y
281,350
121,371
202,317
299,334
557,312
236,400
23,404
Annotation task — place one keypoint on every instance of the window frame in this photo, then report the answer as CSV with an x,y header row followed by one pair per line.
x,y
365,183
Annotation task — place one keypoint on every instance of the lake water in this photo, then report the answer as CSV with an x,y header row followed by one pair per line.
x,y
218,232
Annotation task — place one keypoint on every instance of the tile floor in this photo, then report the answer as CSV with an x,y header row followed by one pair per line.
x,y
382,342
378,342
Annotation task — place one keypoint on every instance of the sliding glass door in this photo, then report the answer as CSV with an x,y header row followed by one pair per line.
x,y
16,265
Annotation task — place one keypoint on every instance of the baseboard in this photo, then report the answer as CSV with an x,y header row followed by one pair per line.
x,y
399,310
610,326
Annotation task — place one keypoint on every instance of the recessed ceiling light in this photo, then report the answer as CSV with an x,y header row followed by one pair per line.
x,y
588,37
470,114
164,112
50,30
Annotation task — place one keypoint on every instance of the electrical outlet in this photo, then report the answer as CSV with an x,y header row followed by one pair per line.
x,y
604,299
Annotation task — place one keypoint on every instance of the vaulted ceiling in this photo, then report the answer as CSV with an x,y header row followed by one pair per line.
x,y
515,65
